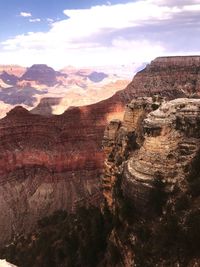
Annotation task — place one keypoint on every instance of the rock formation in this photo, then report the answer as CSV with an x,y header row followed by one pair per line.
x,y
152,158
74,87
171,77
161,143
16,70
47,164
152,187
121,137
40,73
55,162
171,142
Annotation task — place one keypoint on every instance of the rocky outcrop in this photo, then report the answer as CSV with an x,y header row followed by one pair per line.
x,y
9,79
121,137
171,77
16,70
51,163
40,73
151,169
55,162
45,107
154,144
171,142
47,164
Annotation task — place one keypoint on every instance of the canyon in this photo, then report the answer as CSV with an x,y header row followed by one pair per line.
x,y
55,162
40,85
151,187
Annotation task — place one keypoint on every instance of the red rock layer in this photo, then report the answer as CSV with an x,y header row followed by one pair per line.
x,y
51,163
170,77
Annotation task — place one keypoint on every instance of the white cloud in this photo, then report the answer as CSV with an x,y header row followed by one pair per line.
x,y
50,20
25,14
107,34
35,20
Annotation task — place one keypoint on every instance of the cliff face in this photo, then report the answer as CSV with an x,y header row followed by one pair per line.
x,y
149,144
171,77
152,160
122,137
171,143
46,164
51,163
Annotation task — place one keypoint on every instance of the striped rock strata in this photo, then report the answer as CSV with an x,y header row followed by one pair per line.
x,y
161,145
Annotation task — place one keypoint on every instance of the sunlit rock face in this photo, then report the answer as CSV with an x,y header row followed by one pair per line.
x,y
171,77
171,142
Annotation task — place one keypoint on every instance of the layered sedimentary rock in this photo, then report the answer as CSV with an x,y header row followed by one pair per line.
x,y
50,163
171,77
152,169
123,137
156,145
171,142
55,163
47,164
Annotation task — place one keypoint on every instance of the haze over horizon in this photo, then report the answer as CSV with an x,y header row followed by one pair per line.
x,y
93,33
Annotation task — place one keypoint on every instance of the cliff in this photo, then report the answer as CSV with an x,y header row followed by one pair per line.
x,y
171,77
47,164
151,182
55,162
121,137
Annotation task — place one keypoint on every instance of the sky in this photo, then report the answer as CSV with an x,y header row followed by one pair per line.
x,y
99,32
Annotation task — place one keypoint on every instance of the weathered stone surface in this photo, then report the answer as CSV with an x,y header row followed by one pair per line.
x,y
121,138
46,164
171,77
158,177
171,140
52,163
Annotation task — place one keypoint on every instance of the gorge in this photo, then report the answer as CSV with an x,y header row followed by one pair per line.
x,y
147,170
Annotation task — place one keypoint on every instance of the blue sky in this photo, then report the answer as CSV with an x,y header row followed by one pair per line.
x,y
12,23
80,32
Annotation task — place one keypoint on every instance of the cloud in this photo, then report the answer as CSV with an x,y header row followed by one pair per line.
x,y
50,20
111,34
35,20
25,14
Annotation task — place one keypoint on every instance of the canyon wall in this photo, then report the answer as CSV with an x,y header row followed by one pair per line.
x,y
50,163
171,77
151,180
55,162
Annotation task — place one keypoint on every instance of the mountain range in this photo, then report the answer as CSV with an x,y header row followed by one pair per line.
x,y
59,89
